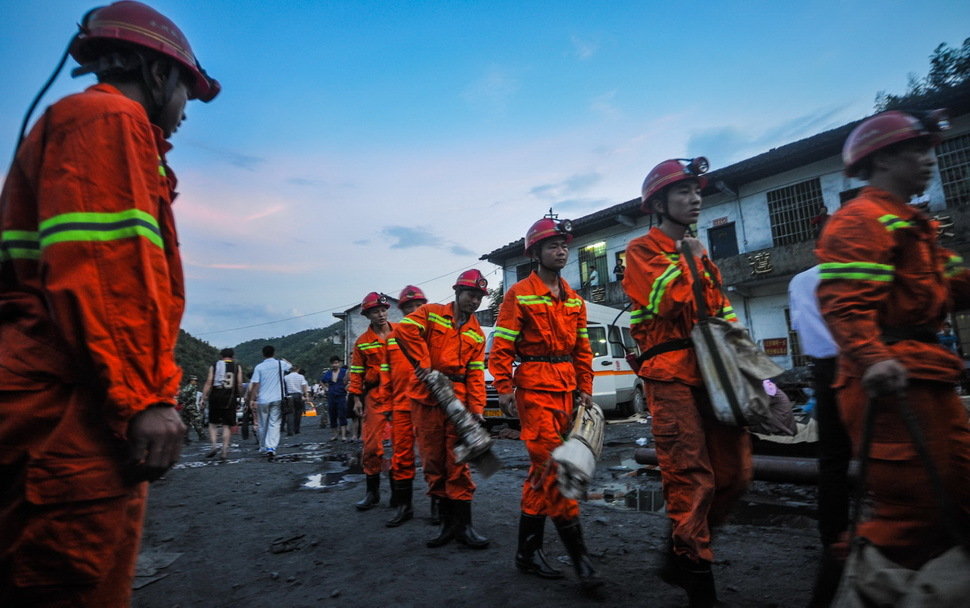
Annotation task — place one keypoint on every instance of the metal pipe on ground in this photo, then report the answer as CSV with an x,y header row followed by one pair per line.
x,y
766,468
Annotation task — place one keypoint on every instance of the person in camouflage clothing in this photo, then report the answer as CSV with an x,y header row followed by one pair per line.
x,y
188,406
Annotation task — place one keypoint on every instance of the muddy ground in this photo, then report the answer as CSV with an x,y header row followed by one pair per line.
x,y
248,532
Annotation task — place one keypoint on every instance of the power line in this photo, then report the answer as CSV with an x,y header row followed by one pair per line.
x,y
320,312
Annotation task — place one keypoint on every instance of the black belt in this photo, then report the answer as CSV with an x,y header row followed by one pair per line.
x,y
919,333
456,377
546,358
665,347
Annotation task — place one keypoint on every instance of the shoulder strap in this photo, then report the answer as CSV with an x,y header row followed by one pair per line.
x,y
912,425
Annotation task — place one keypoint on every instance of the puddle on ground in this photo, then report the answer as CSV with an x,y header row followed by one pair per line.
x,y
337,471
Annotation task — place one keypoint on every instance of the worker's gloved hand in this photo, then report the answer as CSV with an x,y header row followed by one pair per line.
x,y
506,402
885,378
359,406
155,436
584,399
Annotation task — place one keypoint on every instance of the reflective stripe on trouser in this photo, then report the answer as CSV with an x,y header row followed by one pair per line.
x,y
545,418
704,466
402,438
373,427
270,419
906,522
436,440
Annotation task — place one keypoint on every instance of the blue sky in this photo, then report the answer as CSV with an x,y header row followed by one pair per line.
x,y
362,146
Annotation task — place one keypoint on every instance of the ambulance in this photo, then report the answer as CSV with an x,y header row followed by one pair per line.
x,y
616,387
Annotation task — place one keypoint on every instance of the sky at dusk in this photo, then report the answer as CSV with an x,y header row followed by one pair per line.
x,y
361,146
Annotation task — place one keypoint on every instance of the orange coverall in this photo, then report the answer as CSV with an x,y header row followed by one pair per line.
x,y
91,296
399,376
430,337
531,323
704,466
884,279
366,363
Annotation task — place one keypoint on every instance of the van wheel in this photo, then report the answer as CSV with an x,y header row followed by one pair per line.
x,y
639,403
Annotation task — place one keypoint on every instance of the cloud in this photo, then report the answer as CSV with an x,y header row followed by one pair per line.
x,y
604,106
236,159
492,91
572,185
582,205
460,250
273,210
583,49
411,237
725,145
420,236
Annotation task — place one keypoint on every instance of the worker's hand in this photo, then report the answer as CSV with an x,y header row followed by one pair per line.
x,y
584,399
479,418
358,406
506,402
694,245
885,378
155,436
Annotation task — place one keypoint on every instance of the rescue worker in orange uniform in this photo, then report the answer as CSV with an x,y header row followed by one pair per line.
x,y
886,287
400,376
91,297
370,404
448,338
705,466
543,321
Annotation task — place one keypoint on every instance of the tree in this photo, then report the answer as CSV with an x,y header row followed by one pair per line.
x,y
495,297
949,67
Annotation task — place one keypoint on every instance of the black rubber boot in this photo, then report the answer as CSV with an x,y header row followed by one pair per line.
x,y
390,483
373,496
464,532
447,532
402,492
529,557
572,537
435,513
696,578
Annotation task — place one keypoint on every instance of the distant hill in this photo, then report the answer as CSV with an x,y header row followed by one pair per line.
x,y
310,349
194,356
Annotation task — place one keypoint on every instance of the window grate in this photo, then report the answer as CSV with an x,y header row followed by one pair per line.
x,y
953,156
791,210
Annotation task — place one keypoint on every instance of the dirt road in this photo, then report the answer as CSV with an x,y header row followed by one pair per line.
x,y
284,534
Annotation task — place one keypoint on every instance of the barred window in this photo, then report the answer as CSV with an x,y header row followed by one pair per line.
x,y
592,265
953,156
792,209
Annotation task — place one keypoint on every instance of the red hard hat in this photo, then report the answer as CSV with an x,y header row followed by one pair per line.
x,y
546,228
373,300
471,279
670,172
410,294
139,24
886,129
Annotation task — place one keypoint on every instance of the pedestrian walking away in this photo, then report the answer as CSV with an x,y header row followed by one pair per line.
x,y
221,392
91,299
266,395
449,339
542,323
370,402
705,466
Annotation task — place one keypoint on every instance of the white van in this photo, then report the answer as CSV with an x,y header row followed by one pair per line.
x,y
615,385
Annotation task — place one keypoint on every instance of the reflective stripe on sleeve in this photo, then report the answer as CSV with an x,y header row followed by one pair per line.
x,y
89,226
858,271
